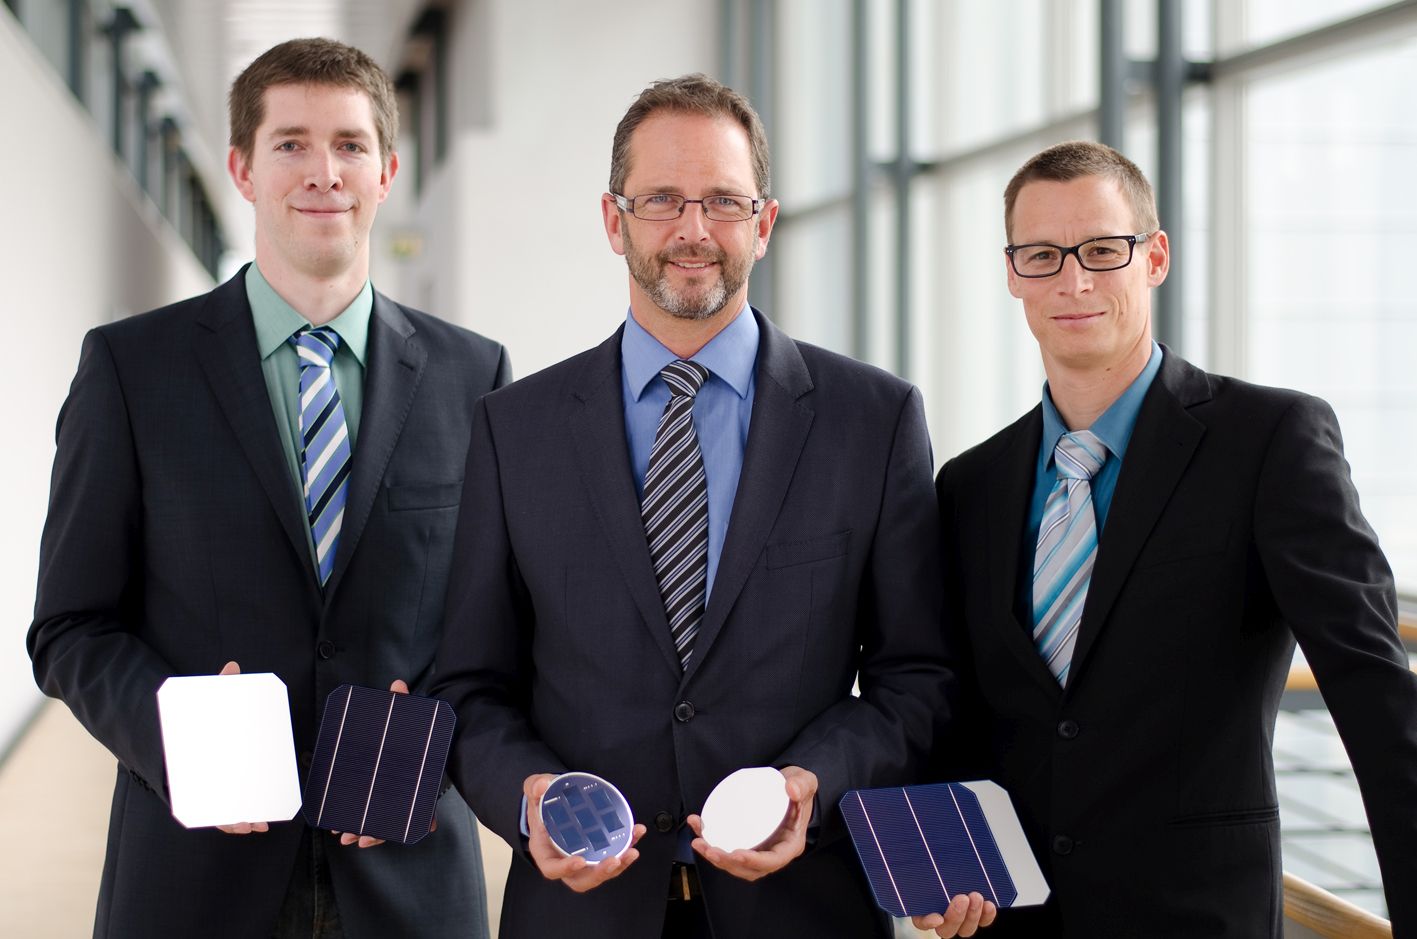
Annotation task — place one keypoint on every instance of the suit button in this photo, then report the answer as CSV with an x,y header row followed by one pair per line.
x,y
1062,844
663,822
1068,729
326,649
683,712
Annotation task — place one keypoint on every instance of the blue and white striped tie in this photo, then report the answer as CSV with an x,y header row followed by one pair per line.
x,y
324,443
675,508
1067,546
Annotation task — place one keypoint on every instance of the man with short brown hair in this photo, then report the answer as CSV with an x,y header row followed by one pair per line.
x,y
1130,564
266,478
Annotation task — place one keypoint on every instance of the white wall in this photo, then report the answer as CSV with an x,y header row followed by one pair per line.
x,y
511,227
79,246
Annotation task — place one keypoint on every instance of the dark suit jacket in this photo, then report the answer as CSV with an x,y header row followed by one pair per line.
x,y
176,541
557,655
1146,786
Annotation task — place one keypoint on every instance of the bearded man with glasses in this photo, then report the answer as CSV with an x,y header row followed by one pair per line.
x,y
678,551
1129,565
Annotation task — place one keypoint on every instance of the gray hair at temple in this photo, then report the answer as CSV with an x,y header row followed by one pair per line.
x,y
692,94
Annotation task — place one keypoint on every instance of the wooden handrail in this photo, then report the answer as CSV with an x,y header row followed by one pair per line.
x,y
1330,916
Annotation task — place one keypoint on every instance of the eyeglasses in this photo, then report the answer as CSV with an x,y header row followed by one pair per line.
x,y
1109,253
663,206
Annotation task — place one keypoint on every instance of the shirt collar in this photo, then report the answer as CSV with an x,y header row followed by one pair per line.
x,y
730,355
1114,428
276,320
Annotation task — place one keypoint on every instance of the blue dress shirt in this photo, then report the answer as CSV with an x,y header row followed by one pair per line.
x,y
1114,428
722,410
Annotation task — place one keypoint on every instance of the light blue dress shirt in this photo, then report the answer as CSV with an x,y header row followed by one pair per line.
x,y
1114,428
722,411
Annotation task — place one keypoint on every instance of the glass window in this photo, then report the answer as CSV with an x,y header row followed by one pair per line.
x,y
812,261
812,130
1331,207
47,22
1264,21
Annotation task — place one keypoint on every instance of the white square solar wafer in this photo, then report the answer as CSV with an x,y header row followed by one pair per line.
x,y
921,845
229,749
378,764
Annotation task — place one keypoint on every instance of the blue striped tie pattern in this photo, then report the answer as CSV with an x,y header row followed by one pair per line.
x,y
1067,547
324,443
675,508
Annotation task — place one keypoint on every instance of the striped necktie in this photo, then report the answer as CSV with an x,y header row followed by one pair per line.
x,y
324,443
675,508
1067,546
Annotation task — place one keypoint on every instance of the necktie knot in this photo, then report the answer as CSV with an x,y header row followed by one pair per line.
x,y
684,378
1079,455
316,345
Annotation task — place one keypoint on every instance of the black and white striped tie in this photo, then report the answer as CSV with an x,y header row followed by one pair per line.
x,y
675,508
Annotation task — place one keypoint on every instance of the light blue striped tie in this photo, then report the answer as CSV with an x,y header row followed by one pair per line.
x,y
1067,546
324,443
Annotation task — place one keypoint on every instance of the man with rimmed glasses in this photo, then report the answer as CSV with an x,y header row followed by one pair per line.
x,y
677,553
1130,564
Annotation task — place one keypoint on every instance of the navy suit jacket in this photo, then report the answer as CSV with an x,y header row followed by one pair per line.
x,y
1146,786
557,656
176,541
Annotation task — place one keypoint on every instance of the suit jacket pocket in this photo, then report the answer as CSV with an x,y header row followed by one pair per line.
x,y
1193,541
790,553
424,496
1232,817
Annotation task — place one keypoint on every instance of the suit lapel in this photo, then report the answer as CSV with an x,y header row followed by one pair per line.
x,y
231,359
1009,491
601,452
1162,444
396,361
776,434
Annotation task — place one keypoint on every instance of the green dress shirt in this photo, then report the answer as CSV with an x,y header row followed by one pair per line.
x,y
276,321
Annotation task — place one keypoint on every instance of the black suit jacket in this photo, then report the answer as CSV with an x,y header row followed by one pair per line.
x,y
1146,786
176,541
557,655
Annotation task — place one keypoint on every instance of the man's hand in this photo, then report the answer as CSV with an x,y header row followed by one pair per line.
x,y
964,916
786,843
574,872
369,841
241,828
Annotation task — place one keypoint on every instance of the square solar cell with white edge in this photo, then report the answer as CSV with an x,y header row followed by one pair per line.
x,y
921,845
378,763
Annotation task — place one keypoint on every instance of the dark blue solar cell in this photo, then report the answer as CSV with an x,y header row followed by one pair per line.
x,y
921,845
571,839
584,829
378,763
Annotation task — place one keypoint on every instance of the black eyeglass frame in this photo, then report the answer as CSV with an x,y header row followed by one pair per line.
x,y
1131,240
627,204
